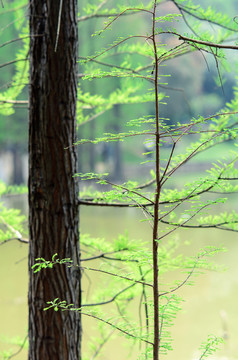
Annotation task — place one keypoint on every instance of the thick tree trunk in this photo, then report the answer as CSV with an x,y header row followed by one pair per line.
x,y
53,193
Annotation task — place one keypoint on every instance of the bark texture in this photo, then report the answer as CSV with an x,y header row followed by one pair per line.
x,y
53,192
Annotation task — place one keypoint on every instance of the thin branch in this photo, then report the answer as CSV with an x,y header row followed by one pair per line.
x,y
119,137
207,43
123,12
116,44
91,202
168,162
219,226
143,295
142,68
192,154
24,241
117,75
19,39
58,25
104,255
114,326
12,10
14,102
93,117
194,15
92,16
18,351
125,190
17,233
110,300
184,282
14,40
181,225
116,275
106,15
105,340
162,318
152,181
12,62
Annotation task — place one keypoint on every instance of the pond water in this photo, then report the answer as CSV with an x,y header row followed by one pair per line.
x,y
210,305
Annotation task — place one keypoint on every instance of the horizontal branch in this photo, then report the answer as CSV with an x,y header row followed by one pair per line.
x,y
219,226
92,202
14,102
129,11
105,256
24,241
207,43
116,275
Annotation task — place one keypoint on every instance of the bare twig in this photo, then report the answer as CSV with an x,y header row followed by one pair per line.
x,y
24,241
12,62
110,300
183,282
183,223
16,232
18,351
116,275
58,25
219,226
114,326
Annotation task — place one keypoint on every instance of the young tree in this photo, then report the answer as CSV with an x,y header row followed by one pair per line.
x,y
165,209
53,192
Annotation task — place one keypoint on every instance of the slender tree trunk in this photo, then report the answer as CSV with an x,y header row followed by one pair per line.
x,y
53,192
92,152
17,177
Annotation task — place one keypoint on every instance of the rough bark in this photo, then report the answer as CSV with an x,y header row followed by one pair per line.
x,y
53,193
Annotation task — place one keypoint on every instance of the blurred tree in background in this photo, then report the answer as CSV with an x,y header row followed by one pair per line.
x,y
13,85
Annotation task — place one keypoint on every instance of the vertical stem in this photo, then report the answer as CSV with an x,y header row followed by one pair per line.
x,y
156,203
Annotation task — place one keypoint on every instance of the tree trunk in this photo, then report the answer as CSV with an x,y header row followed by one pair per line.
x,y
53,192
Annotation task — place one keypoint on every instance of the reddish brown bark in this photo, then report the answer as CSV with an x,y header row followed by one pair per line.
x,y
53,192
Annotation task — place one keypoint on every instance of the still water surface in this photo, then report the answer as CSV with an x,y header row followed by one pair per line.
x,y
210,306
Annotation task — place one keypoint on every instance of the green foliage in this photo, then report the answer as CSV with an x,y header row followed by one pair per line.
x,y
130,70
187,206
210,346
12,223
131,259
44,264
21,343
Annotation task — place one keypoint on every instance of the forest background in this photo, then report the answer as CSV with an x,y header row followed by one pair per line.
x,y
199,93
202,94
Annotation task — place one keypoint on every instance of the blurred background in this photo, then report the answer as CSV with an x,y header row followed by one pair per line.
x,y
192,86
